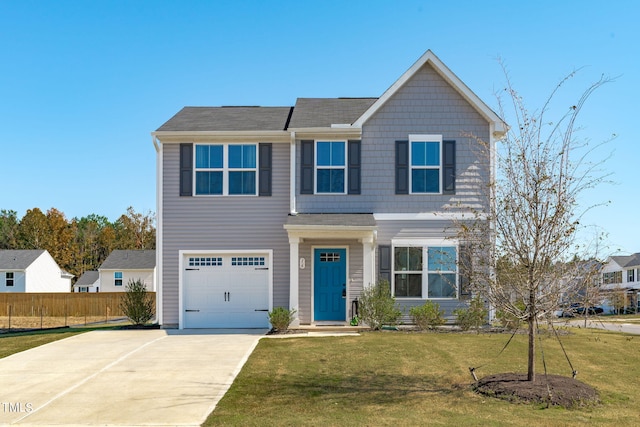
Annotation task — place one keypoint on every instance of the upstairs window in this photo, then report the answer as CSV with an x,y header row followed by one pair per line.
x,y
426,163
226,169
9,278
631,275
117,277
331,167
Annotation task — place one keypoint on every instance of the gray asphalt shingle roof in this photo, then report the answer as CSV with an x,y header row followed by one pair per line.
x,y
627,260
323,112
130,260
18,259
199,119
88,278
337,219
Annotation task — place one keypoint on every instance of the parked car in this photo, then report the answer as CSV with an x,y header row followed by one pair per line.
x,y
577,309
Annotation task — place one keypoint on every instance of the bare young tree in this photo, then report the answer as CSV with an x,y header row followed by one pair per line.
x,y
517,251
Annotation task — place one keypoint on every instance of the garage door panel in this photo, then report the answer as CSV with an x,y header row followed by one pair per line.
x,y
233,293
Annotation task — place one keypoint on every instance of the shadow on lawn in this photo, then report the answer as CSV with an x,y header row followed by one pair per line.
x,y
369,387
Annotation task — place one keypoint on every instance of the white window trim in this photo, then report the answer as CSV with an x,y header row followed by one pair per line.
x,y
425,138
115,278
225,169
315,167
425,245
12,278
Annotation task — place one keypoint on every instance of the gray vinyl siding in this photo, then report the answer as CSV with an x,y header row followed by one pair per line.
x,y
426,104
223,223
354,273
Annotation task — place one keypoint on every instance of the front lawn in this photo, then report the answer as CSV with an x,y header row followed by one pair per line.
x,y
399,378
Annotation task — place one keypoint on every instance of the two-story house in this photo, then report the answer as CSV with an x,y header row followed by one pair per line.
x,y
304,206
621,273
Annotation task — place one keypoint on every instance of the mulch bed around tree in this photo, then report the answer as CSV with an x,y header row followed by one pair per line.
x,y
546,389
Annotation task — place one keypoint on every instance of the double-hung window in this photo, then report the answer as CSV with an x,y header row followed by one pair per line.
x,y
117,278
9,278
427,272
331,167
631,275
426,163
226,169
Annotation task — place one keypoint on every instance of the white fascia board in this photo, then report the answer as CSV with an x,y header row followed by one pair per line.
x,y
261,136
331,232
428,216
450,77
402,241
337,132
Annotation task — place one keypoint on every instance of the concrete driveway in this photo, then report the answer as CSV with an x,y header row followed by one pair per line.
x,y
123,378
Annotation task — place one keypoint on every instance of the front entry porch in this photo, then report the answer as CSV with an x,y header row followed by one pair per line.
x,y
332,257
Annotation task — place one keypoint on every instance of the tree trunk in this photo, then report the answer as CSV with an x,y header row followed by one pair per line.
x,y
531,372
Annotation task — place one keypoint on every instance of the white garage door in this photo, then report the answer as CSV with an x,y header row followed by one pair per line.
x,y
226,291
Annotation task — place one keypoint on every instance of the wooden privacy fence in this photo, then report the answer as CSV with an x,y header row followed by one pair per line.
x,y
105,304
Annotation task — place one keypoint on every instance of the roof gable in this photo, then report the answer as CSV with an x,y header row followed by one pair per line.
x,y
130,260
18,259
499,125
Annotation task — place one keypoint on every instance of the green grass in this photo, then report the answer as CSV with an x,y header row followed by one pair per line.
x,y
396,378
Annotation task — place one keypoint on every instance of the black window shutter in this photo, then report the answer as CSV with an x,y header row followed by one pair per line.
x,y
306,166
186,169
384,263
449,167
402,167
464,271
264,171
354,167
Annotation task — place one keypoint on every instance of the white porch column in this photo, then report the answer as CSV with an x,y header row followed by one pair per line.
x,y
293,278
368,262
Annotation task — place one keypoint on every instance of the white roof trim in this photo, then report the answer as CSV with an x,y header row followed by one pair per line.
x,y
429,216
452,79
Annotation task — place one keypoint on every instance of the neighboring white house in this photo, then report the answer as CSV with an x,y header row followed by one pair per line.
x,y
622,273
88,282
32,271
122,266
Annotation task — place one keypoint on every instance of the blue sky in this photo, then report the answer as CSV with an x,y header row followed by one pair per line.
x,y
83,83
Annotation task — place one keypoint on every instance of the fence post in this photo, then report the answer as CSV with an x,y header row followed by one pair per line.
x,y
41,314
10,307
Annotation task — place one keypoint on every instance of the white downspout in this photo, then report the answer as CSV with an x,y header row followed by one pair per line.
x,y
159,270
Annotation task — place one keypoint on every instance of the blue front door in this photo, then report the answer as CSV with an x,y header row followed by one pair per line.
x,y
329,284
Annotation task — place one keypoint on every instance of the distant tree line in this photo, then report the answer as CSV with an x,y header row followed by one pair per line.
x,y
79,244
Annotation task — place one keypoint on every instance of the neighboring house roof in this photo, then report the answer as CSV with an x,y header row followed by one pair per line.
x,y
333,220
323,112
627,260
500,127
130,260
88,278
220,119
18,259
